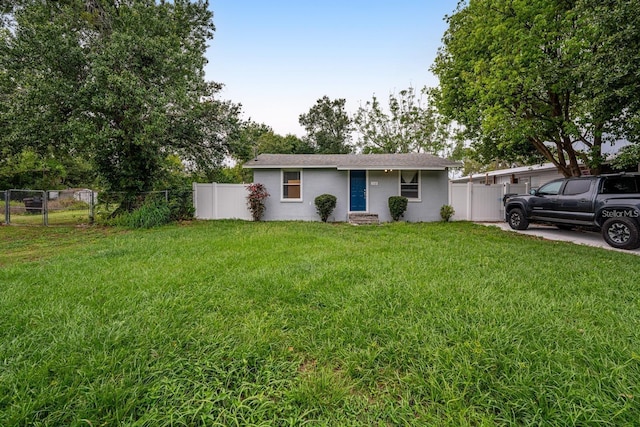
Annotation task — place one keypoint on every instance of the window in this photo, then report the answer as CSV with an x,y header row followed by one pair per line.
x,y
621,185
292,185
577,186
550,189
410,184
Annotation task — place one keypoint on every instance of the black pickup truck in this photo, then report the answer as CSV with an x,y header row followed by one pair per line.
x,y
606,203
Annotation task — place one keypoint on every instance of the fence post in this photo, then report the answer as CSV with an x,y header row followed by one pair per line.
x,y
215,200
45,210
194,191
7,208
92,205
469,201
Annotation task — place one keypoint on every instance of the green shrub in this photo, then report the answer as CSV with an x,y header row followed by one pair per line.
x,y
181,204
325,204
397,206
446,212
151,214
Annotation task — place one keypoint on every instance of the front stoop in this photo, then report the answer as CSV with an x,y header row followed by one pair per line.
x,y
363,218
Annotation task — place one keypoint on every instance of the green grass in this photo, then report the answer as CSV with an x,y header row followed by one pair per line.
x,y
233,323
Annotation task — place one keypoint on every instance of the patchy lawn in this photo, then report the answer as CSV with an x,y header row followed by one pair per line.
x,y
288,323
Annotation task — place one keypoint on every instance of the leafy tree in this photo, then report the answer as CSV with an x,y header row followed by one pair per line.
x,y
243,145
256,138
544,74
328,127
29,169
119,83
273,143
411,125
628,158
249,141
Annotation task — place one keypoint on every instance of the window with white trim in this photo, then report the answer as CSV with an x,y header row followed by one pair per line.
x,y
410,184
292,185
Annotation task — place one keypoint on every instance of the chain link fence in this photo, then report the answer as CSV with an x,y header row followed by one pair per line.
x,y
25,207
66,207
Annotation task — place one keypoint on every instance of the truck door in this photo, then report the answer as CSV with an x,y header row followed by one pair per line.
x,y
544,202
576,201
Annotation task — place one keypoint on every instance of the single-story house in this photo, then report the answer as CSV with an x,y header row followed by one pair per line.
x,y
362,184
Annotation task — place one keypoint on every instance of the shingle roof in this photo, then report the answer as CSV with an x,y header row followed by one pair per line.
x,y
420,161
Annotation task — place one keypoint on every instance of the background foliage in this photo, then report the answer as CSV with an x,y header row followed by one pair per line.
x,y
558,78
118,85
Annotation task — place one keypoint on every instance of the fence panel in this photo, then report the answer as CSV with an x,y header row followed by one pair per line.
x,y
221,201
487,202
70,207
27,207
479,202
458,200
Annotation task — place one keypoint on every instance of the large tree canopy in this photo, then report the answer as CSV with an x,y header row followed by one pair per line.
x,y
560,77
120,83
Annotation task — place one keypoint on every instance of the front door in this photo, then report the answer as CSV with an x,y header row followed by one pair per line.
x,y
358,191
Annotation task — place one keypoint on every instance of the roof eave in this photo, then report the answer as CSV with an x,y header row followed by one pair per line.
x,y
392,168
250,166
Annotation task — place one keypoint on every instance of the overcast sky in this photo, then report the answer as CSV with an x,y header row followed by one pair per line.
x,y
278,57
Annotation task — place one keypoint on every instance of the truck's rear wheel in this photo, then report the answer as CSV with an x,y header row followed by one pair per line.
x,y
517,220
621,233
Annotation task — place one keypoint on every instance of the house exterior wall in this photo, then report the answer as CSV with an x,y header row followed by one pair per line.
x,y
380,186
435,193
314,183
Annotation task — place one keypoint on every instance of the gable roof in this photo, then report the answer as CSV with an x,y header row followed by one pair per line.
x,y
421,161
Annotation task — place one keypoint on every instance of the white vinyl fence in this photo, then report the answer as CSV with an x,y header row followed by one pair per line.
x,y
479,202
221,201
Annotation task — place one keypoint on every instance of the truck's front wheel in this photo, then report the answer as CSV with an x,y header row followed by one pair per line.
x,y
517,220
621,233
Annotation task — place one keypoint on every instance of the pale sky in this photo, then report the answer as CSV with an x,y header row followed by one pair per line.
x,y
278,57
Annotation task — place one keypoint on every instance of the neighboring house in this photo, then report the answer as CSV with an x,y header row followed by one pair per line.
x,y
534,176
362,184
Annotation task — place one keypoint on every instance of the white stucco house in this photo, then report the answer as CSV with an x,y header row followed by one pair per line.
x,y
362,184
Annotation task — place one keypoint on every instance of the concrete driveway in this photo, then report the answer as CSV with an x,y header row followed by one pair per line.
x,y
578,237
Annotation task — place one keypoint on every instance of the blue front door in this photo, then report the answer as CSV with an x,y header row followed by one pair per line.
x,y
358,199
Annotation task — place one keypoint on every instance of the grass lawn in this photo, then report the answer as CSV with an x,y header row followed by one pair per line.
x,y
285,323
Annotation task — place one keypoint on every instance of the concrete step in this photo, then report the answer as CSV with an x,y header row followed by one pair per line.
x,y
363,218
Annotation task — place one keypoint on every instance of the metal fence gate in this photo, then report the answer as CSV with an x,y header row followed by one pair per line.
x,y
52,207
25,207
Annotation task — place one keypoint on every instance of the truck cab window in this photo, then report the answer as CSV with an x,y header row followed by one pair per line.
x,y
550,189
577,186
621,185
